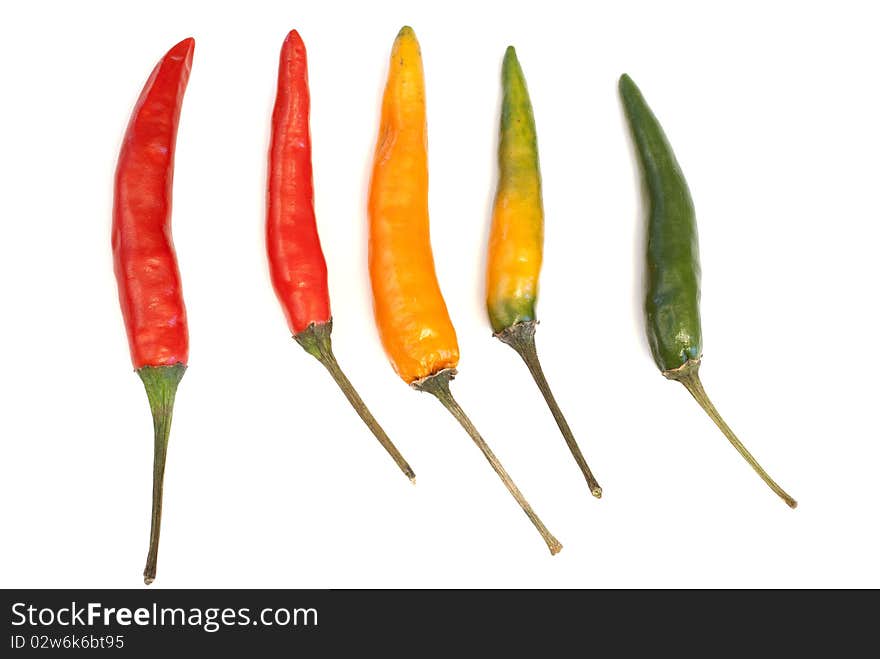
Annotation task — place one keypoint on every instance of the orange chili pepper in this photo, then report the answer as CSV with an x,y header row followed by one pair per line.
x,y
410,311
411,314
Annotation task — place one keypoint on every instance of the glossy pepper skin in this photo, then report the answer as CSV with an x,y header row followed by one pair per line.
x,y
516,240
296,261
410,312
672,302
673,295
144,259
143,253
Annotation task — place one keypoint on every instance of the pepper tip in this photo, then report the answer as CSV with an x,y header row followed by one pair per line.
x,y
293,37
182,49
406,31
293,50
510,67
186,44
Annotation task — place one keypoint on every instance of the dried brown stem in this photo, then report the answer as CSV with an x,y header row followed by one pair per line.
x,y
438,385
521,337
315,339
688,375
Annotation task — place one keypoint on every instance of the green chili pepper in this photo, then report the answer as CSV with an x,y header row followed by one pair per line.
x,y
672,304
516,241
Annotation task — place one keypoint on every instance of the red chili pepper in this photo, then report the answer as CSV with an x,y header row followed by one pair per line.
x,y
296,262
144,259
299,272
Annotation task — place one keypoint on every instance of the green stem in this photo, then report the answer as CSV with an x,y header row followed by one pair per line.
x,y
315,339
161,385
688,375
521,337
438,385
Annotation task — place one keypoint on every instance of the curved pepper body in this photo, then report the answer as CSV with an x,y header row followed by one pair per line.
x,y
143,252
296,261
411,315
516,239
672,304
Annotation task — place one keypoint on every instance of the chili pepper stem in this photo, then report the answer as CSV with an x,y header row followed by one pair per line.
x,y
438,385
688,375
161,385
521,337
315,339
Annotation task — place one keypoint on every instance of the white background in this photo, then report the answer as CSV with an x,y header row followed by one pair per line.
x,y
272,481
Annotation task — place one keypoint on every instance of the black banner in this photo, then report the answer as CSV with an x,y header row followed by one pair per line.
x,y
415,622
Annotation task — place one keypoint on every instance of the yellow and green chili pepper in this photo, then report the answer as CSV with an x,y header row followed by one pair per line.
x,y
672,303
516,241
